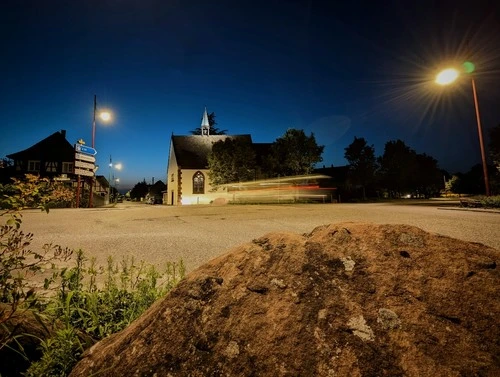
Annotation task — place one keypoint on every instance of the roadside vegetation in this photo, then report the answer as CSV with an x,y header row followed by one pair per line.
x,y
56,303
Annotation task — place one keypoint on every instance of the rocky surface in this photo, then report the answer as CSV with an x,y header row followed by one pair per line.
x,y
344,300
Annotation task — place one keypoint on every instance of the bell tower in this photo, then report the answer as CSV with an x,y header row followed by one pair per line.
x,y
205,126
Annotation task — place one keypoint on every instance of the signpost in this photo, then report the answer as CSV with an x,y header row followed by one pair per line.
x,y
84,149
84,157
84,166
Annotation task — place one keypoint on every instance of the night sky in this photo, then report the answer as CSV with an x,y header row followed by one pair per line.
x,y
361,68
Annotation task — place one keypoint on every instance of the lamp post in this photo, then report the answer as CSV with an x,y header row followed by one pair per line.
x,y
448,76
105,116
112,181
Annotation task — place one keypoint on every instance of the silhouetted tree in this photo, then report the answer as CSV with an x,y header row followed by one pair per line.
x,y
140,190
213,130
428,176
362,163
397,168
294,153
231,160
494,145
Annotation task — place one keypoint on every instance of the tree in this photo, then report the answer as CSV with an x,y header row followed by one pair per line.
x,y
397,168
294,154
231,160
428,176
213,130
362,163
140,190
494,145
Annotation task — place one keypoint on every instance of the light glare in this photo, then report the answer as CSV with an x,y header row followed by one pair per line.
x,y
105,116
447,76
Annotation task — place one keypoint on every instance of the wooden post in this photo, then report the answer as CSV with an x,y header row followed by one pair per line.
x,y
78,193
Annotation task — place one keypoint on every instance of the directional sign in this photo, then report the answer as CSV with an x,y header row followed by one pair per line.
x,y
84,149
84,157
87,173
85,165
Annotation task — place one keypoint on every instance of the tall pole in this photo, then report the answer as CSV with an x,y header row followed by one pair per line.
x,y
93,122
93,146
481,144
109,179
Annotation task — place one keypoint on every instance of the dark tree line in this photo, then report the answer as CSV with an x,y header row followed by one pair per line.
x,y
402,171
143,189
398,171
235,160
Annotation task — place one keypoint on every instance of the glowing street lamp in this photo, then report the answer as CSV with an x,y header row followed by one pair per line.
x,y
448,76
106,117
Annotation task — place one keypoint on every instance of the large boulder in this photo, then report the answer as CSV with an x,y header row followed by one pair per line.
x,y
345,300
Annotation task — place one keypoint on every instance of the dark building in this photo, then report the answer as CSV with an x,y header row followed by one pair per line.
x,y
52,157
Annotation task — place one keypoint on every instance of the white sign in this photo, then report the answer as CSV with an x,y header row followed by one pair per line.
x,y
84,157
87,173
85,165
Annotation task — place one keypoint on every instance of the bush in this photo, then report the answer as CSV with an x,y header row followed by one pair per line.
x,y
89,313
83,304
490,201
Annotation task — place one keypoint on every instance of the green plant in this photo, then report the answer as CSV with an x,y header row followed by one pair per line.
x,y
490,201
60,354
94,302
87,304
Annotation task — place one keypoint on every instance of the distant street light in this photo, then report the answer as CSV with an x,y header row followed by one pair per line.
x,y
447,77
113,181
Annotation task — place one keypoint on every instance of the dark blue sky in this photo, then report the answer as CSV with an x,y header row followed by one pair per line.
x,y
338,69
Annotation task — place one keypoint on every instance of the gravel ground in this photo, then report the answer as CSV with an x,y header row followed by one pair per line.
x,y
196,234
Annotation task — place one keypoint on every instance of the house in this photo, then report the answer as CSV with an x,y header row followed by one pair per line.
x,y
187,171
52,157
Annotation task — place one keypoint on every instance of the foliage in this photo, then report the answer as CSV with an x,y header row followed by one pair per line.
x,y
140,190
428,177
60,353
34,192
494,145
397,165
294,153
404,171
80,309
231,160
128,290
490,201
18,263
90,310
213,130
452,185
156,190
362,163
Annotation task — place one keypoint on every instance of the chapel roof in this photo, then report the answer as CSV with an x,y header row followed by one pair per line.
x,y
191,152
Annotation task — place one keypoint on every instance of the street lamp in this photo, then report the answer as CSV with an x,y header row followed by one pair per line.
x,y
447,77
103,115
112,166
106,117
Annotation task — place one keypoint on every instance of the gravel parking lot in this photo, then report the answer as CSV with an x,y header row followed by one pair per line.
x,y
196,234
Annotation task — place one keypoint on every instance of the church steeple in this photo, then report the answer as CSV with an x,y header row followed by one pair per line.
x,y
205,126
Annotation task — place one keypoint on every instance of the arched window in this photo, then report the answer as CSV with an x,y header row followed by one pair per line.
x,y
198,183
